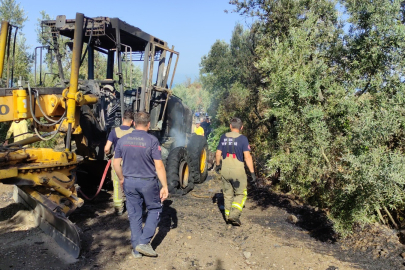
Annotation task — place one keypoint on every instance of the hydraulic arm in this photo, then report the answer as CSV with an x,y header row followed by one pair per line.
x,y
45,178
84,109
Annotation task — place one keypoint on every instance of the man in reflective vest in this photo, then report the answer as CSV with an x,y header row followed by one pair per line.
x,y
235,150
113,138
198,129
19,129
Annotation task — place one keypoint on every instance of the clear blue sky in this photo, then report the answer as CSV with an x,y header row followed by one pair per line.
x,y
191,26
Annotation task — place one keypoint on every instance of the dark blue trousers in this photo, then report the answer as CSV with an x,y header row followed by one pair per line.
x,y
137,191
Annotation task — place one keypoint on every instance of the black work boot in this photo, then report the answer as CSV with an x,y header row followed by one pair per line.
x,y
119,211
234,221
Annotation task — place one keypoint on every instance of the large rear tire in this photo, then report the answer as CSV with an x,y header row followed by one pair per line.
x,y
197,151
179,180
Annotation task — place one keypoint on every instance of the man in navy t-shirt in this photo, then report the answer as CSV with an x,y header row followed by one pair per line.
x,y
113,137
234,150
142,164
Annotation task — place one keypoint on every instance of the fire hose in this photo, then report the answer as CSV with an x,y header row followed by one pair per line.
x,y
101,183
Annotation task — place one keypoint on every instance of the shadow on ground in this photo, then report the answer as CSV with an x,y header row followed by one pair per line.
x,y
368,247
168,221
311,219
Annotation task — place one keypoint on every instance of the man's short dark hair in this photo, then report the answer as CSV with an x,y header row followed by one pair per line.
x,y
128,116
236,123
142,119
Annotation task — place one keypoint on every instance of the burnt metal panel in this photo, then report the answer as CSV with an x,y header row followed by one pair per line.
x,y
104,29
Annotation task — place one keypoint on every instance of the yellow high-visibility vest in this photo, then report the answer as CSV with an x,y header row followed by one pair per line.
x,y
17,129
199,131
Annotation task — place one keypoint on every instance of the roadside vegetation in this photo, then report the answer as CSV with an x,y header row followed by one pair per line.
x,y
319,85
322,100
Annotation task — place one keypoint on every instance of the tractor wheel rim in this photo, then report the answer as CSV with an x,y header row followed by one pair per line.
x,y
184,174
203,160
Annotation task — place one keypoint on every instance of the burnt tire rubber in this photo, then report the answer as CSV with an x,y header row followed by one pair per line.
x,y
197,151
176,172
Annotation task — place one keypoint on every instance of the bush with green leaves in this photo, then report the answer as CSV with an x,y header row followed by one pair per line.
x,y
323,105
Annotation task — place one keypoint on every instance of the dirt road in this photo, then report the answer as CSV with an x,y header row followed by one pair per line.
x,y
276,233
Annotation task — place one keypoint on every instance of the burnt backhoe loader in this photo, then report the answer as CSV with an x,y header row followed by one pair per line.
x,y
85,110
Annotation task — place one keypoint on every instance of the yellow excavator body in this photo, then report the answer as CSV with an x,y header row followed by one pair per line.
x,y
45,178
84,111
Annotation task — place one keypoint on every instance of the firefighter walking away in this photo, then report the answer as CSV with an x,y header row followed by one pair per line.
x,y
234,149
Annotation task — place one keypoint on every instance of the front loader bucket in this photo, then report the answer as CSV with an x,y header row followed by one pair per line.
x,y
55,224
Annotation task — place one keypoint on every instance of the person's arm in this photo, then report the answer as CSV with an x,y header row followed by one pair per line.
x,y
110,139
161,173
218,155
249,161
118,170
107,147
9,132
218,165
160,169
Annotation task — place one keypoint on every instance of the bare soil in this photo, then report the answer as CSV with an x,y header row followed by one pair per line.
x,y
277,232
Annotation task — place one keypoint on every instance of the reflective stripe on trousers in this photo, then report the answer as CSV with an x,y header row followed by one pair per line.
x,y
118,195
240,206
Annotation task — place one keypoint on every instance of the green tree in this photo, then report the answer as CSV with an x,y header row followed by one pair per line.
x,y
14,13
229,74
333,102
193,95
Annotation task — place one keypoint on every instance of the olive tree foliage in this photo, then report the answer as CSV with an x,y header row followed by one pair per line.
x,y
193,95
14,13
332,102
372,175
229,74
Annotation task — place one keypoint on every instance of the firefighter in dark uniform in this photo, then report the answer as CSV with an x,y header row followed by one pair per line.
x,y
234,150
142,166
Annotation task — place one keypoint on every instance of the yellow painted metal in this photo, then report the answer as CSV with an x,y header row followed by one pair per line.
x,y
3,44
44,196
88,100
15,107
47,156
51,104
49,179
74,78
76,129
203,159
7,108
10,106
46,171
21,97
8,173
12,157
186,174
